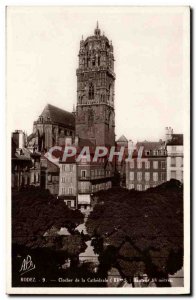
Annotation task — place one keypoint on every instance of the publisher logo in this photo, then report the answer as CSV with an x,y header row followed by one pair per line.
x,y
27,265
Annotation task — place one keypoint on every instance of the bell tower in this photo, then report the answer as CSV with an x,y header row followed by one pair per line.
x,y
95,116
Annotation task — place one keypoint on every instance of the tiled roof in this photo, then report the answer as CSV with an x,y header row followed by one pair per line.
x,y
52,166
59,116
24,154
122,139
177,139
150,149
150,145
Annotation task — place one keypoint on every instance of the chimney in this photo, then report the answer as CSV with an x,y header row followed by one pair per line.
x,y
19,138
130,145
168,133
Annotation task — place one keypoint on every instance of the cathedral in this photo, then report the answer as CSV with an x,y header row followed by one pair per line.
x,y
51,129
92,124
95,119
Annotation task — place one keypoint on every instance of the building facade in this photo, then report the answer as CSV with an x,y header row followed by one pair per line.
x,y
92,178
79,180
68,182
32,168
122,142
148,170
175,157
21,161
49,177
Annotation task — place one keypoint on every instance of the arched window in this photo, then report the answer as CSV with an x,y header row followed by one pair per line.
x,y
93,61
91,92
110,93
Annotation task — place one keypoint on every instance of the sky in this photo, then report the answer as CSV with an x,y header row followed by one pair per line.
x,y
150,64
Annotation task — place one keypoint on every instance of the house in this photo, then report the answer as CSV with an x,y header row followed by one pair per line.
x,y
68,182
174,146
49,175
79,180
149,169
21,161
122,142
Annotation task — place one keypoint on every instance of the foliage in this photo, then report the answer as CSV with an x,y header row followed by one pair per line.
x,y
34,211
145,228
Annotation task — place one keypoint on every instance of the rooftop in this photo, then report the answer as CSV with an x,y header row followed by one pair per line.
x,y
58,116
150,145
122,139
177,140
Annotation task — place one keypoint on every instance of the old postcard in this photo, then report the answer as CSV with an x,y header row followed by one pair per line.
x,y
98,129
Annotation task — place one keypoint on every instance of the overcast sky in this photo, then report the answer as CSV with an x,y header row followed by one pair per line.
x,y
42,57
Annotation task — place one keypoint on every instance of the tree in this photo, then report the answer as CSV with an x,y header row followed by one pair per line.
x,y
145,228
34,211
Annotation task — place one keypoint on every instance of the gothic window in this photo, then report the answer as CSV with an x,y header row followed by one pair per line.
x,y
111,120
111,93
98,60
91,92
93,61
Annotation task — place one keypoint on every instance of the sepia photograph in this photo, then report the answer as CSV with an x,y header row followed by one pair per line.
x,y
98,134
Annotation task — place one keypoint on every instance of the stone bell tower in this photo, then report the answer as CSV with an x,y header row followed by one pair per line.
x,y
95,116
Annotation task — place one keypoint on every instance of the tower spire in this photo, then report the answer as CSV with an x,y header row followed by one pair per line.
x,y
95,95
97,30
